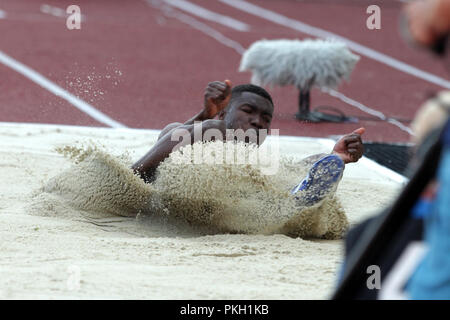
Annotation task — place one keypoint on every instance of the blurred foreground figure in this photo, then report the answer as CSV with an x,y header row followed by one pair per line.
x,y
427,24
409,243
431,279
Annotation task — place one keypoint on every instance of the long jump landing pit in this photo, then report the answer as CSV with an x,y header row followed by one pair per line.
x,y
68,255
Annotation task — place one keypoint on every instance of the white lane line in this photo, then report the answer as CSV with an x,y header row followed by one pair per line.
x,y
170,12
2,14
54,11
57,12
58,91
320,33
208,15
368,110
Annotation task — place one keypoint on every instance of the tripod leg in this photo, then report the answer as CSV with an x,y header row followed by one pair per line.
x,y
304,100
304,113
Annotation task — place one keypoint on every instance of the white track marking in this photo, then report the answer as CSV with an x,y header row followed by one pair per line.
x,y
168,11
368,110
58,91
54,11
208,15
57,12
2,14
320,33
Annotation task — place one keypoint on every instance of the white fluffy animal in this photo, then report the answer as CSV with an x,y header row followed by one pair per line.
x,y
304,64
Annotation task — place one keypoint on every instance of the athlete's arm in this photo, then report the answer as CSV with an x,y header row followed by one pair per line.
x,y
172,141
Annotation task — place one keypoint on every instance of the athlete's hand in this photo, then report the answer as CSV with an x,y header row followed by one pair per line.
x,y
217,97
350,147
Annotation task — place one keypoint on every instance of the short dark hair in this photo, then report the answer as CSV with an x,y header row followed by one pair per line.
x,y
236,91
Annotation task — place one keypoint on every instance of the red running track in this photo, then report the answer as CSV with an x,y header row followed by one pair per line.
x,y
145,68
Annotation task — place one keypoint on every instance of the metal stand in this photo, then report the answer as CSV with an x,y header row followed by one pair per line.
x,y
304,113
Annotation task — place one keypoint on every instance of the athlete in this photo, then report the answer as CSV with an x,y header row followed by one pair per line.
x,y
250,108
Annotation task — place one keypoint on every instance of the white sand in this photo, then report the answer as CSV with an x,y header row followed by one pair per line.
x,y
47,246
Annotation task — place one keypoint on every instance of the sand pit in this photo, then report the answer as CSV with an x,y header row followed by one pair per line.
x,y
68,231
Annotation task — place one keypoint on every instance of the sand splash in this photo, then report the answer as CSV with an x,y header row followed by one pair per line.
x,y
224,198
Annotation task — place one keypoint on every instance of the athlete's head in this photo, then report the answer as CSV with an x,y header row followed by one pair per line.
x,y
250,107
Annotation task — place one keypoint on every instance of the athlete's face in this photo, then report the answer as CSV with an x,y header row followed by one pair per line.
x,y
249,111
